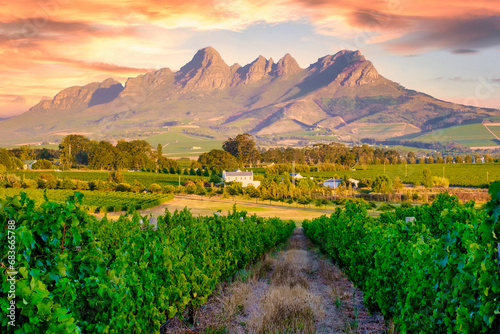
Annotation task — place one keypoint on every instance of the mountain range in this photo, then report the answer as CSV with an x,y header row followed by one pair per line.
x,y
341,94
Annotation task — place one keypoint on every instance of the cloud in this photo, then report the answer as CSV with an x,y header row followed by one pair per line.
x,y
459,35
464,51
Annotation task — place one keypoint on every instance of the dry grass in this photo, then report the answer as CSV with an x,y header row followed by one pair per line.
x,y
290,271
287,310
263,268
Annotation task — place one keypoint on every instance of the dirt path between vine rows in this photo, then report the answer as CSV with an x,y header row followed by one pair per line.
x,y
294,289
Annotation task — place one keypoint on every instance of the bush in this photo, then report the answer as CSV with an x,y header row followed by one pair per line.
x,y
168,189
116,177
440,182
82,185
29,184
12,180
386,207
138,187
155,188
123,187
68,184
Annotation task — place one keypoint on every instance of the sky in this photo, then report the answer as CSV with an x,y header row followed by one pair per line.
x,y
449,49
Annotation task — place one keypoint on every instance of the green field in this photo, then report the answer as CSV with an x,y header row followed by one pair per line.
x,y
95,201
178,144
382,131
495,130
145,178
464,175
471,135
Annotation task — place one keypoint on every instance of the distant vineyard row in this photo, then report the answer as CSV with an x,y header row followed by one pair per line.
x,y
95,201
75,273
436,274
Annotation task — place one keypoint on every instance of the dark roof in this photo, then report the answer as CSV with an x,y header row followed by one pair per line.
x,y
334,180
238,173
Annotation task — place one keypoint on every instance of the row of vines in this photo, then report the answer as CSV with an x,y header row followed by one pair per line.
x,y
78,274
95,201
436,274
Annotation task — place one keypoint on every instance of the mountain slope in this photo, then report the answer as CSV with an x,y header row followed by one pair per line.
x,y
338,94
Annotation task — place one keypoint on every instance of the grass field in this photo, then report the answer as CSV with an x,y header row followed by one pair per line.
x,y
178,144
464,175
382,131
470,135
207,207
143,177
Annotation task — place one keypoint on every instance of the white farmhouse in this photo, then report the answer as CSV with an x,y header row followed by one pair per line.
x,y
245,178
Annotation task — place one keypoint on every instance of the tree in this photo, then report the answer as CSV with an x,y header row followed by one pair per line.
x,y
397,184
102,155
74,150
427,177
242,147
468,159
116,177
382,184
5,158
42,164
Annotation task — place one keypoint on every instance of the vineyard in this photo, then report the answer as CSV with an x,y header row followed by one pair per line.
x,y
434,274
95,201
461,175
145,178
76,273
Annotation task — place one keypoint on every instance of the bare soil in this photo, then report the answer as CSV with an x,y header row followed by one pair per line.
x,y
294,289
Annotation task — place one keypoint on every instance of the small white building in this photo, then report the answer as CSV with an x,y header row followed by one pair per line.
x,y
245,178
354,183
296,176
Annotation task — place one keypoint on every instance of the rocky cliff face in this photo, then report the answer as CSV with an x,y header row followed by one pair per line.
x,y
206,70
77,98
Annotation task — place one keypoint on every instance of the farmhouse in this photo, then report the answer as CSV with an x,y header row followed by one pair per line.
x,y
28,164
296,176
245,178
332,183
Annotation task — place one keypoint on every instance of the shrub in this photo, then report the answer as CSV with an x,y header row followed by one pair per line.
x,y
440,182
82,185
29,184
68,184
138,187
155,188
12,180
169,189
123,187
386,207
116,177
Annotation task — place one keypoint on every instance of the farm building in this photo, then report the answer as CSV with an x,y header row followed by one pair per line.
x,y
28,164
332,183
246,178
296,176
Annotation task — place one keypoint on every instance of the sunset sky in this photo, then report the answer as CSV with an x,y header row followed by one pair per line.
x,y
448,49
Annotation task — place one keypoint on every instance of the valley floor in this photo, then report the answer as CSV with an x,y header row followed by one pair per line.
x,y
296,289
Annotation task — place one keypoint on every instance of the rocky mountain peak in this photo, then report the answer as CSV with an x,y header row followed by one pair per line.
x,y
254,71
207,69
287,66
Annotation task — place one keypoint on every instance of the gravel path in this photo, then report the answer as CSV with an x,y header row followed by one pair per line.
x,y
294,289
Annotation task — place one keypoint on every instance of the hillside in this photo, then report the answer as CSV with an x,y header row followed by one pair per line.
x,y
340,96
